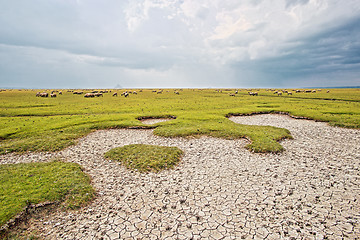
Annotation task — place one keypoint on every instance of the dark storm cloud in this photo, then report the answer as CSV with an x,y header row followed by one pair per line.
x,y
183,43
332,53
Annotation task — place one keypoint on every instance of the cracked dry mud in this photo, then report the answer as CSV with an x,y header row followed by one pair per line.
x,y
220,190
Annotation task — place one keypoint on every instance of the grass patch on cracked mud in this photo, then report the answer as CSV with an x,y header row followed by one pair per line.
x,y
33,183
146,158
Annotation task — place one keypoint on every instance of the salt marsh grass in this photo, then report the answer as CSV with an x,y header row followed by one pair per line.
x,y
30,123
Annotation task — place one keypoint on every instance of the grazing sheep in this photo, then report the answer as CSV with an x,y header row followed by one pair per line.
x,y
236,92
313,91
38,94
279,93
44,94
114,94
232,94
289,93
78,92
60,93
253,93
125,94
176,92
327,91
134,92
53,95
307,91
89,95
98,94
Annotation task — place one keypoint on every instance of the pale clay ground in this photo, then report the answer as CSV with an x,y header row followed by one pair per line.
x,y
154,120
220,190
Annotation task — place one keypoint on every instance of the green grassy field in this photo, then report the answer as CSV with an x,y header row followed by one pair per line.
x,y
30,123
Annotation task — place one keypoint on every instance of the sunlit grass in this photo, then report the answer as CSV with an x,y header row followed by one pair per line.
x,y
146,158
32,183
30,123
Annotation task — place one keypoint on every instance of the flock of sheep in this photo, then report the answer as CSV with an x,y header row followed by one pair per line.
x,y
101,93
278,92
96,93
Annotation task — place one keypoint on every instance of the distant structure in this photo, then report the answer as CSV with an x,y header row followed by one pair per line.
x,y
118,86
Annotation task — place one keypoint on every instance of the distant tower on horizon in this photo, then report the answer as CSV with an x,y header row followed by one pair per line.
x,y
118,86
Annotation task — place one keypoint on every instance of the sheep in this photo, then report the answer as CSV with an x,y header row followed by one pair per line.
x,y
253,93
114,94
60,93
279,93
134,92
38,94
289,93
176,92
232,94
53,95
44,94
327,91
313,91
98,94
87,95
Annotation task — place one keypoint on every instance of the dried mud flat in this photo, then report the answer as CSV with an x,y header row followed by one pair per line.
x,y
220,190
152,121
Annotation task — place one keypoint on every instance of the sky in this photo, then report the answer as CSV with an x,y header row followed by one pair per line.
x,y
179,43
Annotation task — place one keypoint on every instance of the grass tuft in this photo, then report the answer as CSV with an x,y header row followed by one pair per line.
x,y
146,158
33,183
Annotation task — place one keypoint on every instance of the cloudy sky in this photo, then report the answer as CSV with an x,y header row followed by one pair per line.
x,y
179,43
